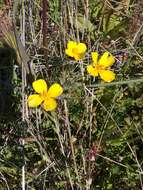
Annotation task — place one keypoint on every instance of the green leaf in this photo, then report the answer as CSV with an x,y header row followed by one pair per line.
x,y
115,170
82,23
111,23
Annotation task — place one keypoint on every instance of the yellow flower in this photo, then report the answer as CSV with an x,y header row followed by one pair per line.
x,y
76,50
45,96
100,66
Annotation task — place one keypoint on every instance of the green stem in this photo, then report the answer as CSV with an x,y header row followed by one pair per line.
x,y
117,83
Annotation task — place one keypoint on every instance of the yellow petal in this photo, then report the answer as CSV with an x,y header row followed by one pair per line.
x,y
81,48
34,100
92,71
40,86
94,56
55,90
49,104
71,45
107,75
106,59
69,52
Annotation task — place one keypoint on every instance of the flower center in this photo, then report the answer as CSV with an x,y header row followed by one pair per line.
x,y
98,67
44,95
75,51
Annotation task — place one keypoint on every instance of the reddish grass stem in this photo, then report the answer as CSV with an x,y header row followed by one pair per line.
x,y
44,27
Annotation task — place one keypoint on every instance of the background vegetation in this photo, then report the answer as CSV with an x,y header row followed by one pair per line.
x,y
94,139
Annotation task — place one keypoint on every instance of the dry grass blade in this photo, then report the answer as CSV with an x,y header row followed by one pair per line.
x,y
10,37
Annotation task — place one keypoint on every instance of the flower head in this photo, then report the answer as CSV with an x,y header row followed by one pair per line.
x,y
76,50
44,96
100,66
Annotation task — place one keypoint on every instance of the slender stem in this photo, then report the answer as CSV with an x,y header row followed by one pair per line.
x,y
23,90
117,83
44,27
23,170
62,147
71,141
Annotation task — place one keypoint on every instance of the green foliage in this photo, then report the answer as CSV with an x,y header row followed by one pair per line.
x,y
81,23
